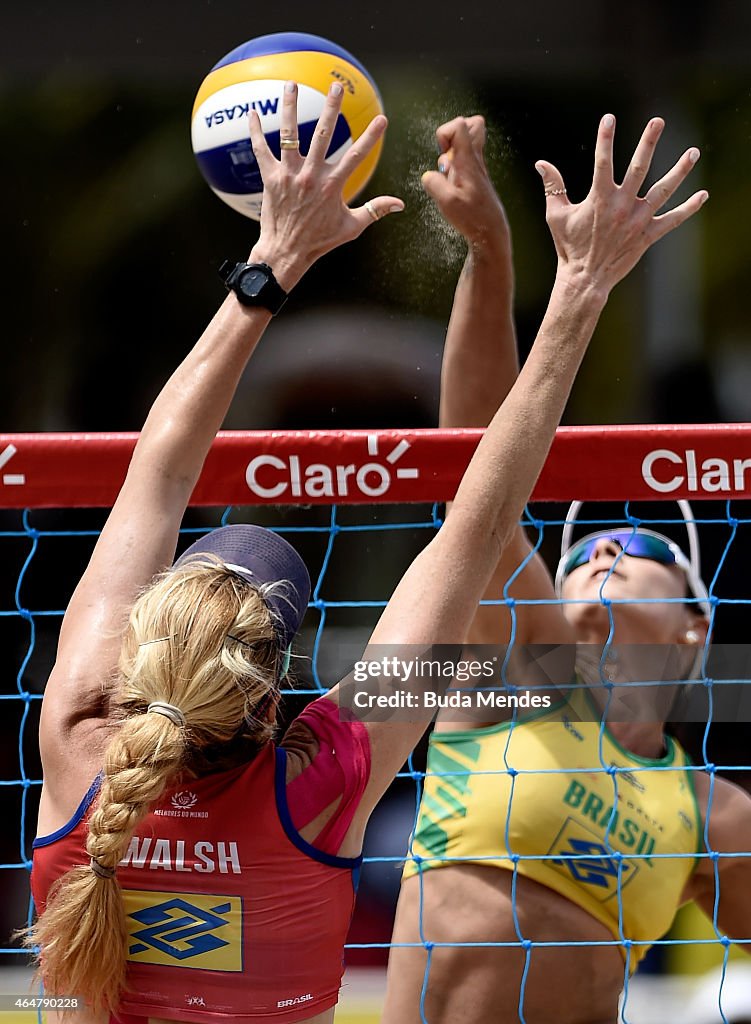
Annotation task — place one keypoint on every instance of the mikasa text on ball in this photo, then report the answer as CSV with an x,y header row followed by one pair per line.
x,y
252,77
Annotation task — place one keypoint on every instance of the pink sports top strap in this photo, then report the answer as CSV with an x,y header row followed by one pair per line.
x,y
339,769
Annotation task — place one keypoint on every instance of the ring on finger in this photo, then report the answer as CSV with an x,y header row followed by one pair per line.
x,y
371,210
555,191
289,144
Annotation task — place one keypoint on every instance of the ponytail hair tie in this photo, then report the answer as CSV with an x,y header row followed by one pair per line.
x,y
160,707
101,870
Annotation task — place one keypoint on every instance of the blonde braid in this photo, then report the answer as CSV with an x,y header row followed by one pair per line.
x,y
83,932
175,652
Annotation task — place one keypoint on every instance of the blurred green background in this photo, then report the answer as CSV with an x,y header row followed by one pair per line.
x,y
112,238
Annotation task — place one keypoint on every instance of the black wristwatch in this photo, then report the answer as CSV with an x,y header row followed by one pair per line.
x,y
254,284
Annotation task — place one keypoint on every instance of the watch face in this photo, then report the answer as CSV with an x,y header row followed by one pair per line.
x,y
252,281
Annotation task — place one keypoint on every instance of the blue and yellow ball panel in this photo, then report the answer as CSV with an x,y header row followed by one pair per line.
x,y
184,930
287,42
252,77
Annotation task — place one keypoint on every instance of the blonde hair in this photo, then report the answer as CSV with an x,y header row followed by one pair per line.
x,y
202,639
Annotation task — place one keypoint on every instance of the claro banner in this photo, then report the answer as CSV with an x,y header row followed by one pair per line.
x,y
55,470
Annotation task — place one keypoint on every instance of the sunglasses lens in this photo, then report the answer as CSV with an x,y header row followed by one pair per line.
x,y
578,555
636,545
643,545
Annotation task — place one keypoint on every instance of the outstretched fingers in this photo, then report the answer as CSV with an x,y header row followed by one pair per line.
x,y
605,236
663,189
666,222
324,132
552,180
264,157
602,180
374,210
289,141
641,161
359,149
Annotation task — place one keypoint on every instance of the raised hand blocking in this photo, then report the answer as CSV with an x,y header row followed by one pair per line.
x,y
599,240
303,214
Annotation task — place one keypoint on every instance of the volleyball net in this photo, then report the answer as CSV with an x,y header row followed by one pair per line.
x,y
359,505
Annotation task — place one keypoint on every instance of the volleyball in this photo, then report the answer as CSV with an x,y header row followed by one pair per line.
x,y
252,77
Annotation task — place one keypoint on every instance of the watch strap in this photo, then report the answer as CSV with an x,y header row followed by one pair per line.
x,y
271,296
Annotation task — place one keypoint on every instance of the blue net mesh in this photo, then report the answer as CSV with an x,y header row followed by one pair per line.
x,y
356,556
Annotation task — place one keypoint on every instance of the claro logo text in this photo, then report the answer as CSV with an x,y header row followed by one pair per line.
x,y
665,470
275,476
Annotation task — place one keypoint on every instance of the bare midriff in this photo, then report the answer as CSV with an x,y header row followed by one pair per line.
x,y
475,984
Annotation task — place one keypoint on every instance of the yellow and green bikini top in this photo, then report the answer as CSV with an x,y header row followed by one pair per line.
x,y
558,799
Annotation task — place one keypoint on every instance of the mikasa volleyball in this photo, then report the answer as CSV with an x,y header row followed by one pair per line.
x,y
252,77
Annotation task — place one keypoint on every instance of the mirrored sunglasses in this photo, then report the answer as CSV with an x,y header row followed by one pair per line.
x,y
635,545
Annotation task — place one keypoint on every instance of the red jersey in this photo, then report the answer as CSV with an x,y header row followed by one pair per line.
x,y
230,911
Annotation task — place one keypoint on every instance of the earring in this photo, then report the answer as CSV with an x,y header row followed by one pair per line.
x,y
692,637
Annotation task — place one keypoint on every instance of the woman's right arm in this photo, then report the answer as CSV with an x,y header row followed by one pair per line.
x,y
303,217
480,365
598,241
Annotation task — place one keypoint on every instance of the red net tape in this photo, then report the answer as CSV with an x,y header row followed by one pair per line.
x,y
363,467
